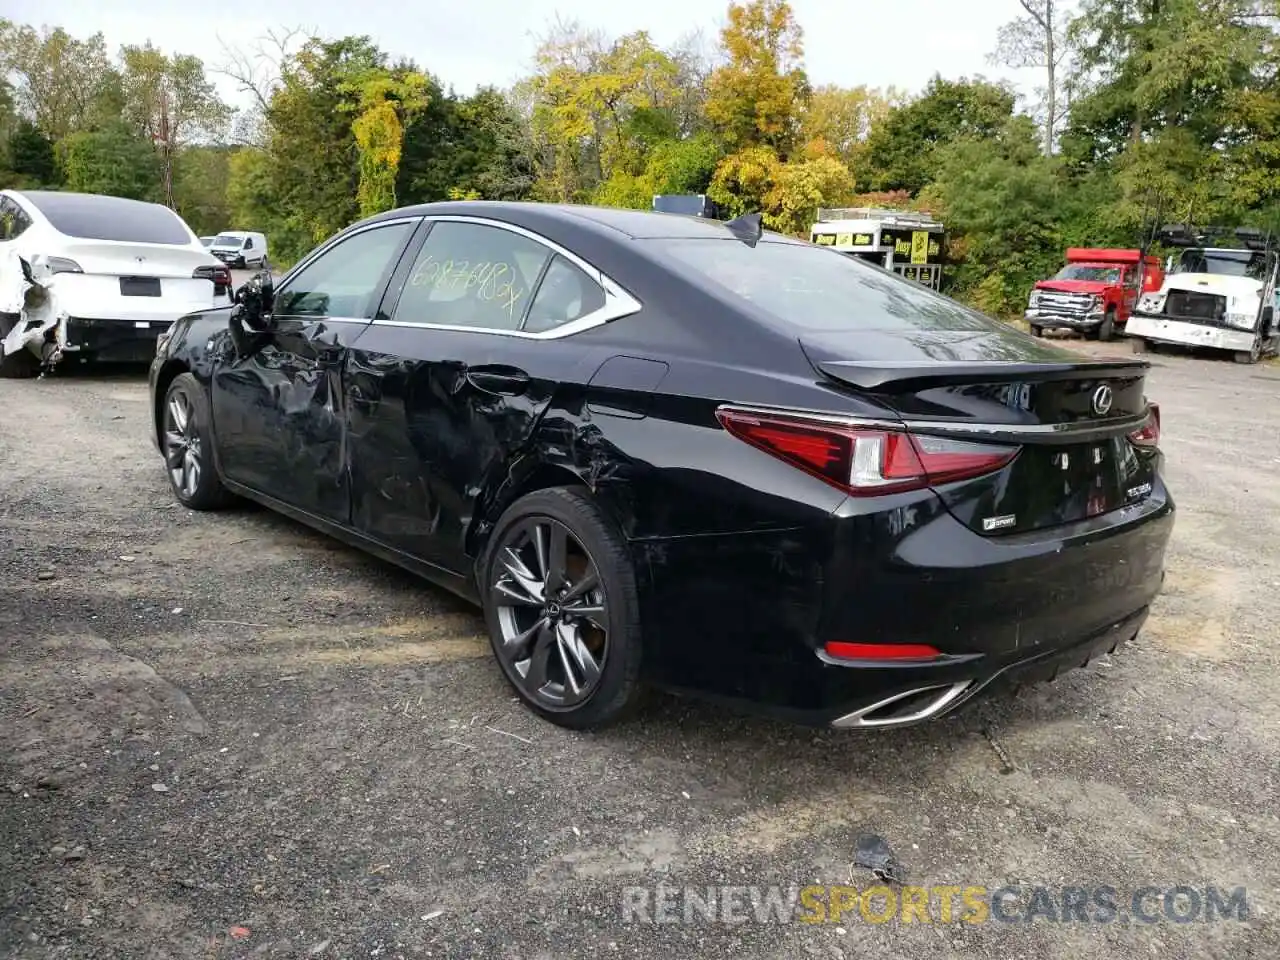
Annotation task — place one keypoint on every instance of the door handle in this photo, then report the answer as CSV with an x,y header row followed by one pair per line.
x,y
498,379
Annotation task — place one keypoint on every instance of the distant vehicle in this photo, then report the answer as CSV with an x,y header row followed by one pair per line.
x,y
1221,297
95,277
910,244
689,204
240,249
1094,293
207,241
683,452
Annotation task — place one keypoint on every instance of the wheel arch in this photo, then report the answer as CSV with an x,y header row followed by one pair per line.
x,y
521,479
172,369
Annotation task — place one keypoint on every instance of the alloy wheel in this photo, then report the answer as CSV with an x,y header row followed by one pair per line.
x,y
182,444
552,613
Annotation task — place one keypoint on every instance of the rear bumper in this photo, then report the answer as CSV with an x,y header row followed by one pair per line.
x,y
119,341
744,618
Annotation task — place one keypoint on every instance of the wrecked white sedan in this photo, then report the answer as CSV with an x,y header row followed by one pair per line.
x,y
94,277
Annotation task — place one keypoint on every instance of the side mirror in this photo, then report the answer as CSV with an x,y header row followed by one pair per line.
x,y
254,301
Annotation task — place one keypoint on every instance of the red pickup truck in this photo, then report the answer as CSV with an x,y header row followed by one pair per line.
x,y
1094,293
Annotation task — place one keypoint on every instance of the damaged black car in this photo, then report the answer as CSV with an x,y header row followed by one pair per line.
x,y
667,451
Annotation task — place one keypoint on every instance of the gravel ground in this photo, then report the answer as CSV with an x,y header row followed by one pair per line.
x,y
224,735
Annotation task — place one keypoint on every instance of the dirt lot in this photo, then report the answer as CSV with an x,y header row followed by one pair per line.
x,y
223,735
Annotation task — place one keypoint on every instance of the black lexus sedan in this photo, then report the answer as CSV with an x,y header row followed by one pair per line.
x,y
665,451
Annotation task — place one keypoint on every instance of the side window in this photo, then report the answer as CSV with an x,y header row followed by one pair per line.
x,y
13,220
472,275
248,243
345,280
565,294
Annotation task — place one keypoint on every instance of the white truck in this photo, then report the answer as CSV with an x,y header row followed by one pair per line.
x,y
240,248
1220,297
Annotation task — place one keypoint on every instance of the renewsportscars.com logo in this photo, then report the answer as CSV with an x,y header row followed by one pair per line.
x,y
1083,903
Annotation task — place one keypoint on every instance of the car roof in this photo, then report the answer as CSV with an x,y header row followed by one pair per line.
x,y
633,224
56,200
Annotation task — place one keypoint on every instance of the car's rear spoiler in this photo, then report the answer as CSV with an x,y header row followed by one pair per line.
x,y
898,376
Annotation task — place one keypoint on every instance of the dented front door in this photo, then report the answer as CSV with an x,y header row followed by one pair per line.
x,y
279,410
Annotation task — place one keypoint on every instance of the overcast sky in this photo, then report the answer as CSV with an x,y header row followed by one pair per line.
x,y
849,42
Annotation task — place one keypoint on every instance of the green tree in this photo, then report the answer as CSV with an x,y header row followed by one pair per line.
x,y
901,151
31,157
170,102
201,179
313,158
843,117
757,96
786,193
1001,200
383,101
57,78
597,107
112,161
1180,104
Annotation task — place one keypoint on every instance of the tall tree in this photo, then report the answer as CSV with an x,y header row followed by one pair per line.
x,y
112,161
757,95
31,155
201,178
599,105
57,78
842,117
169,101
901,150
383,101
1038,39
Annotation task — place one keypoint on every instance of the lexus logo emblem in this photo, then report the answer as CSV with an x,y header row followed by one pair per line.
x,y
1102,400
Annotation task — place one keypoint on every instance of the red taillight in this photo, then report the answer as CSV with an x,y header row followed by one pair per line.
x,y
221,276
843,650
863,461
1148,435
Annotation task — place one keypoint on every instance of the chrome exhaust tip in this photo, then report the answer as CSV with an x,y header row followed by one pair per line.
x,y
907,707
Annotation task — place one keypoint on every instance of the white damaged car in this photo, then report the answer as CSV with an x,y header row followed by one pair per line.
x,y
95,277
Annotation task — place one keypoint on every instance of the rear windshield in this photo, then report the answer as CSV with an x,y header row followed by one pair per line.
x,y
91,217
811,288
227,240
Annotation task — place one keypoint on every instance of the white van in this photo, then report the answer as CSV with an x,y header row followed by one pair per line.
x,y
239,249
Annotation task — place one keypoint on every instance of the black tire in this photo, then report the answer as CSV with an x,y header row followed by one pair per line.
x,y
22,365
19,366
207,491
1249,356
1107,329
1037,331
616,691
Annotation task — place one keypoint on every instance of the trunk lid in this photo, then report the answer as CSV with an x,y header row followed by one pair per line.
x,y
119,259
1070,416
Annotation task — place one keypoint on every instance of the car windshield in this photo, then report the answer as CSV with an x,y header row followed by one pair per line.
x,y
1098,273
227,240
1230,263
94,217
812,288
